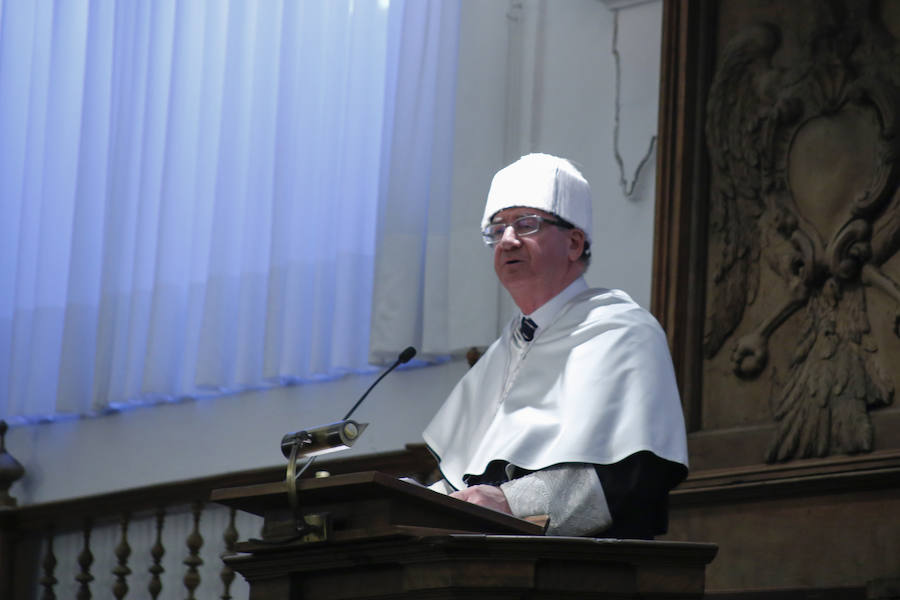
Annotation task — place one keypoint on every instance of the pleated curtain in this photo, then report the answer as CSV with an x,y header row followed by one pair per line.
x,y
190,190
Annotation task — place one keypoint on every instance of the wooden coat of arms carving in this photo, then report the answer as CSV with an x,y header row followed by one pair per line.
x,y
803,224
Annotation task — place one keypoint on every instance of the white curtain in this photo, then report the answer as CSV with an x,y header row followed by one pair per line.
x,y
189,189
410,305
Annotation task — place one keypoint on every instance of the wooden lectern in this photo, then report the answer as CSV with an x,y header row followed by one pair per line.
x,y
369,535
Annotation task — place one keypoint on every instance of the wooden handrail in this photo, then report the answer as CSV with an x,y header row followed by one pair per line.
x,y
413,460
19,526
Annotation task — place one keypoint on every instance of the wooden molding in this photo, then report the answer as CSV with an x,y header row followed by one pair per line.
x,y
679,249
809,477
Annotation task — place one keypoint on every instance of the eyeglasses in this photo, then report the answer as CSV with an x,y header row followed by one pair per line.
x,y
522,226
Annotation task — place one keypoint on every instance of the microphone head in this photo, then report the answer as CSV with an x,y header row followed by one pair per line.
x,y
323,439
406,355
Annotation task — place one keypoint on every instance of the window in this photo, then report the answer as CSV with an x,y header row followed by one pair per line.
x,y
190,190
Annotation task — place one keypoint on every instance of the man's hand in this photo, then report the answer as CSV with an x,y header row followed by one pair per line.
x,y
488,496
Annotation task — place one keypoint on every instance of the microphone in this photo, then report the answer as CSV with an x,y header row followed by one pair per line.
x,y
404,358
336,436
319,440
323,439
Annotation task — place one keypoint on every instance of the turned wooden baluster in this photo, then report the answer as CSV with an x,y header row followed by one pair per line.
x,y
10,469
230,536
157,552
193,561
121,570
49,564
85,559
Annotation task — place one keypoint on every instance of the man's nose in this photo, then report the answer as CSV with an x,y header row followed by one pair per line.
x,y
509,239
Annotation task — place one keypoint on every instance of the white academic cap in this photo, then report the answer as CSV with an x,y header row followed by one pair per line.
x,y
544,182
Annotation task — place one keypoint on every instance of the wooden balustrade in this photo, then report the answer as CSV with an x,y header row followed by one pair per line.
x,y
31,559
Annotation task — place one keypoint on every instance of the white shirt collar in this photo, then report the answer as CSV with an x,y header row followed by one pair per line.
x,y
544,315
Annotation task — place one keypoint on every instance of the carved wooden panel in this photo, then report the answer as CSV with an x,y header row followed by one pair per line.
x,y
786,217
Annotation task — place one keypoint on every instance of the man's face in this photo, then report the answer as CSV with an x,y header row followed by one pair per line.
x,y
536,267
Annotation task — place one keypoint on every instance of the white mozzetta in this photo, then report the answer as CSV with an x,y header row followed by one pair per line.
x,y
595,386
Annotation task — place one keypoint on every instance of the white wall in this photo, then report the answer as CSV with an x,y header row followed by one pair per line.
x,y
572,113
535,75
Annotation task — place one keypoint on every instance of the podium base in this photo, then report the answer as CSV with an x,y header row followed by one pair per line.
x,y
478,566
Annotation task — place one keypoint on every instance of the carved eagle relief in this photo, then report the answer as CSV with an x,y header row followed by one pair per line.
x,y
804,182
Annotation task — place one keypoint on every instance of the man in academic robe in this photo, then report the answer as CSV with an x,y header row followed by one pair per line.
x,y
574,411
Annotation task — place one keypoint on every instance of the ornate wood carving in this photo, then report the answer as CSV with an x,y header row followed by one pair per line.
x,y
804,202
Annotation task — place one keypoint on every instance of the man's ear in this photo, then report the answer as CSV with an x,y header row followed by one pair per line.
x,y
576,244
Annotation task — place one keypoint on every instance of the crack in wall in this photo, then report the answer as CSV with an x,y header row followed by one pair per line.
x,y
627,188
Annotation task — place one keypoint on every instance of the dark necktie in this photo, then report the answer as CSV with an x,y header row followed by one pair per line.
x,y
527,327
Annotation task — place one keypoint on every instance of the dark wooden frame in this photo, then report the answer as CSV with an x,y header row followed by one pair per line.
x,y
682,173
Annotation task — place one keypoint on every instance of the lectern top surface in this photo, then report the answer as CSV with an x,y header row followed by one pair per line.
x,y
367,486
